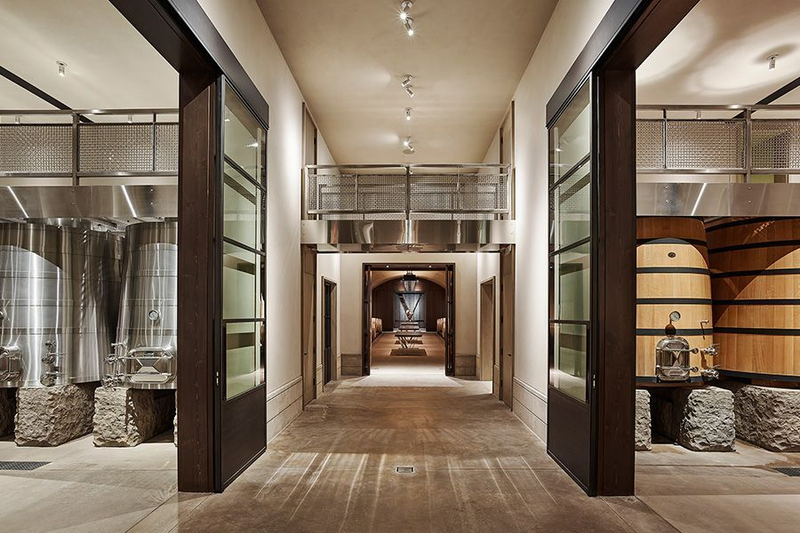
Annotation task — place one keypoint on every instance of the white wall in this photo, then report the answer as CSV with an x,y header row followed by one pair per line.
x,y
570,27
466,296
244,29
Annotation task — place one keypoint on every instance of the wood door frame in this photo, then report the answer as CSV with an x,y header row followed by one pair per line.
x,y
629,32
330,360
491,282
509,251
366,306
181,31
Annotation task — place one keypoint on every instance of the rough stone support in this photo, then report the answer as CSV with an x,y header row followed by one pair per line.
x,y
465,366
8,405
698,419
768,417
128,417
51,416
351,364
643,432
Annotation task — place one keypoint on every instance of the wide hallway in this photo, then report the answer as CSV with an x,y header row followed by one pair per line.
x,y
476,467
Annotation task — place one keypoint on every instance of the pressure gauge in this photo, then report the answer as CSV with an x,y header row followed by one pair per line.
x,y
674,316
153,315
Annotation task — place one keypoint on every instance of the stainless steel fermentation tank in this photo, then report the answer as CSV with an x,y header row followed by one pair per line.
x,y
145,354
59,294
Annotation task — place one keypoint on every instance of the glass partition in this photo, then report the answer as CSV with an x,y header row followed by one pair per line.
x,y
570,246
243,247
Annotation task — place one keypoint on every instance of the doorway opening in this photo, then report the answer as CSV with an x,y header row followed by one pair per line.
x,y
487,334
329,319
408,319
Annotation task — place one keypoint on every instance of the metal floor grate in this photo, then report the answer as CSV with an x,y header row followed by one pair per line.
x,y
404,469
22,465
793,471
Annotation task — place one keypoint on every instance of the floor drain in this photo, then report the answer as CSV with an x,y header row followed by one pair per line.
x,y
21,465
404,469
793,471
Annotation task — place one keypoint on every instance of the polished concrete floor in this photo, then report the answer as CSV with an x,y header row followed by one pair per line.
x,y
85,488
476,467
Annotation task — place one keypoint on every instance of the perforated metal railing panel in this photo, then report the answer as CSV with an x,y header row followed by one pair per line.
x,y
776,144
116,147
166,148
650,144
698,144
419,196
36,148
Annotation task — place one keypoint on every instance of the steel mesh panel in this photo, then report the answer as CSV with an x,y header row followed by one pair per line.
x,y
776,144
36,148
473,216
699,144
385,216
431,216
116,147
22,465
649,144
167,147
434,192
381,192
334,192
343,216
483,192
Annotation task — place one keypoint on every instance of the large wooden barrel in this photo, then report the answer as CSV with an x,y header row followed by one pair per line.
x,y
671,275
755,265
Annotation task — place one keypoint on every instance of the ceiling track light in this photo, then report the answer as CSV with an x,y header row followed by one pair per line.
x,y
409,149
408,23
407,142
405,7
409,92
62,68
406,81
772,60
408,113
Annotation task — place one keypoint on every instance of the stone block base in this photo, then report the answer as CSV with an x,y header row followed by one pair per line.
x,y
768,417
643,431
8,405
465,366
128,417
698,419
54,415
351,364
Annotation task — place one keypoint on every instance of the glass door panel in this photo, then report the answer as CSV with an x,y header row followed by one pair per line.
x,y
241,209
570,408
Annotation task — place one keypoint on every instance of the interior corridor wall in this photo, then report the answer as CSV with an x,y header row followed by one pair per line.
x,y
488,268
243,27
466,299
569,28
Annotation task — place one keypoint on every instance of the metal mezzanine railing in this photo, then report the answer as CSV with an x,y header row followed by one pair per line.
x,y
739,139
408,192
75,144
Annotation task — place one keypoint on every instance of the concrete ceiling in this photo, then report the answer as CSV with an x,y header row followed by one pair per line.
x,y
718,55
110,65
349,57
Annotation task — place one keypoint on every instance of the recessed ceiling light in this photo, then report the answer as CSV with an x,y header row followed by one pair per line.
x,y
408,113
771,60
62,68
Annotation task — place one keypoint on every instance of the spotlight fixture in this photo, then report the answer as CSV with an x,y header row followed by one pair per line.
x,y
409,92
408,23
130,119
408,113
406,81
62,68
771,60
409,148
17,119
405,7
